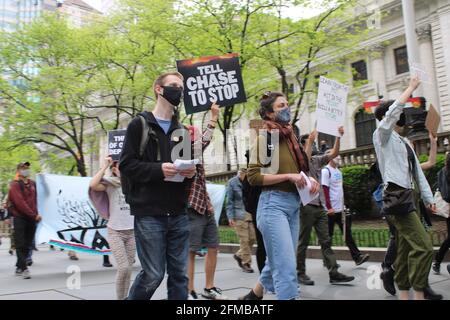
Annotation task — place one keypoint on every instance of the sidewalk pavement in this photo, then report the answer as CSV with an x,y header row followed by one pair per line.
x,y
52,278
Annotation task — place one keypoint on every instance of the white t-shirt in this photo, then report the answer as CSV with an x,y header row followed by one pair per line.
x,y
332,178
119,211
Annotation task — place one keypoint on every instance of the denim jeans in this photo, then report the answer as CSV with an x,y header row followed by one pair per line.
x,y
278,221
161,241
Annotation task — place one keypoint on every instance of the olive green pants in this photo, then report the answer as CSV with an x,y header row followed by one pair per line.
x,y
414,252
311,216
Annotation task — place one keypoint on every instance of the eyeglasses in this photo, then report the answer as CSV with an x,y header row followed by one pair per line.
x,y
267,94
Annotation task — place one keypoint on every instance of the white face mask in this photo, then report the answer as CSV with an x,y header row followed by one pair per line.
x,y
25,173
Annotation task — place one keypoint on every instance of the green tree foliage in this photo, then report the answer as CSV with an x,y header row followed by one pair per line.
x,y
62,87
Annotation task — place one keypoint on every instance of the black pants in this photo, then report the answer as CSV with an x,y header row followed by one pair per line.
x,y
391,252
444,246
260,249
24,229
337,219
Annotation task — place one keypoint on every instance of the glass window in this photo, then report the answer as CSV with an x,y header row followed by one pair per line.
x,y
291,88
359,70
365,125
326,142
401,60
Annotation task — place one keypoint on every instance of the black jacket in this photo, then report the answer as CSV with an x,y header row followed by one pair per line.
x,y
150,195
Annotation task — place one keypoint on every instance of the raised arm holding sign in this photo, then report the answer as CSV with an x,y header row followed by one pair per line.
x,y
214,79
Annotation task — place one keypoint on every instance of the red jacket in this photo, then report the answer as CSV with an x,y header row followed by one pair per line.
x,y
23,201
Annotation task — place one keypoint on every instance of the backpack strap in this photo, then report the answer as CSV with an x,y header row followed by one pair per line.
x,y
270,146
147,132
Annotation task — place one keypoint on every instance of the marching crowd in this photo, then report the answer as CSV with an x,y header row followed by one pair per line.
x,y
166,223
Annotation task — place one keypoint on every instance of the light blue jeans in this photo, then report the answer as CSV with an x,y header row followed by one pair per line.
x,y
278,220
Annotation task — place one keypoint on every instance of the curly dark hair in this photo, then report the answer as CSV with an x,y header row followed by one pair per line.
x,y
266,103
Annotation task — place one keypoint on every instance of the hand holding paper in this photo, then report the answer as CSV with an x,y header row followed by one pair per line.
x,y
310,191
183,168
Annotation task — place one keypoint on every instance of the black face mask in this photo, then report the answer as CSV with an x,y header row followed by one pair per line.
x,y
402,121
172,94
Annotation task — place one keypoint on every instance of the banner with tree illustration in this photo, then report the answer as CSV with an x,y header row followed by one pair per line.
x,y
68,218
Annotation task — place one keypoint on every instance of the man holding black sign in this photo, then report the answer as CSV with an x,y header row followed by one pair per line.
x,y
159,206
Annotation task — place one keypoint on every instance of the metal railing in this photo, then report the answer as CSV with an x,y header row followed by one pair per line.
x,y
370,238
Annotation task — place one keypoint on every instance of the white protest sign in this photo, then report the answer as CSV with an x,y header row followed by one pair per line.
x,y
416,69
331,105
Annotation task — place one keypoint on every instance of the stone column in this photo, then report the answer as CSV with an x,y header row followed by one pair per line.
x,y
378,70
409,19
430,90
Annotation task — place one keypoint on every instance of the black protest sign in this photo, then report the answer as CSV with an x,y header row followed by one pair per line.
x,y
115,143
211,79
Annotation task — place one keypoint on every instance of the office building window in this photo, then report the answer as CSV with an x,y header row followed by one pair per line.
x,y
365,125
359,70
326,141
401,60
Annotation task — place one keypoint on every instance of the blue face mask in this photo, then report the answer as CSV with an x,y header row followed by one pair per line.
x,y
284,115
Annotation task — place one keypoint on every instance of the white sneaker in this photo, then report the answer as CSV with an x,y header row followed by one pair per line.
x,y
26,274
214,294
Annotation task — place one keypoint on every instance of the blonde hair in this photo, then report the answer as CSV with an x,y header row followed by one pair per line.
x,y
160,80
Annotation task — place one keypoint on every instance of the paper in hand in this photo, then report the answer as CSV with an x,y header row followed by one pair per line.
x,y
418,70
182,165
305,193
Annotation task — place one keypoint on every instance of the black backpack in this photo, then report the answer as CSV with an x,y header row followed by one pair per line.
x,y
250,194
443,185
147,133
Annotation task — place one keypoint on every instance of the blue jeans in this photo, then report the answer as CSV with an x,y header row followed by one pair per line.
x,y
278,221
161,241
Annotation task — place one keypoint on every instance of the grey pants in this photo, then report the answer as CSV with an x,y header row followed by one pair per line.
x,y
123,248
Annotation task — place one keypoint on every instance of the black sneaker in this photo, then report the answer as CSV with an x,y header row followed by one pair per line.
x,y
239,260
337,277
247,268
436,268
429,294
107,265
250,296
362,258
387,276
192,295
305,280
448,268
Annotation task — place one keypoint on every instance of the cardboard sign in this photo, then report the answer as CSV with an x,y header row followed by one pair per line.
x,y
211,79
433,120
331,105
116,139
